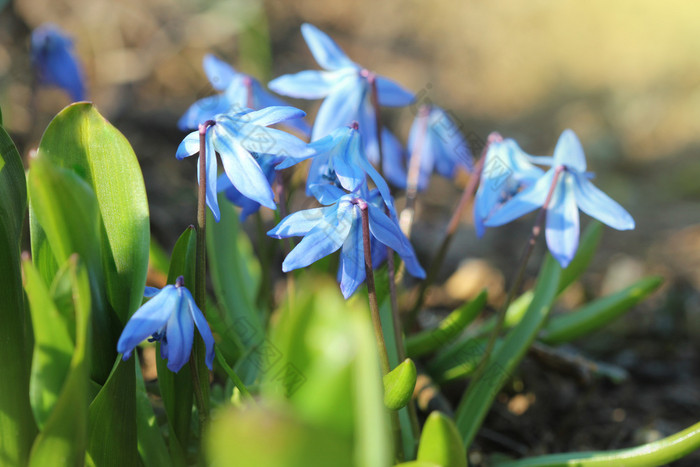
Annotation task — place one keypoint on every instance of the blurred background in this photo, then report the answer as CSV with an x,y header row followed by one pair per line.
x,y
624,75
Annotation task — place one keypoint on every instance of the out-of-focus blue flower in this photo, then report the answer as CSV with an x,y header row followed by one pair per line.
x,y
346,89
244,143
238,91
339,226
339,159
169,317
573,190
55,61
506,171
439,143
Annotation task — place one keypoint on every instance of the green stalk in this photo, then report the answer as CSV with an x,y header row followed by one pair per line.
x,y
232,374
659,452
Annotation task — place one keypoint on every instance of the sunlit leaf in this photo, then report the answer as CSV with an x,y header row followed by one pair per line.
x,y
399,384
440,442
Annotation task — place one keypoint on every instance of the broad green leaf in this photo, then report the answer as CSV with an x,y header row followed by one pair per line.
x,y
480,394
235,274
112,437
440,442
448,329
65,208
176,388
151,446
81,140
53,344
399,384
333,389
598,313
17,428
64,437
259,436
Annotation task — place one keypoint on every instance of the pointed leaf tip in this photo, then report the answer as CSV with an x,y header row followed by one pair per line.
x,y
399,384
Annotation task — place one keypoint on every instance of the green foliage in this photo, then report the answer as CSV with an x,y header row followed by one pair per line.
x,y
63,438
440,442
17,426
399,384
478,399
81,140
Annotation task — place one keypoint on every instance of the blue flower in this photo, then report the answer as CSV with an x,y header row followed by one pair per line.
x,y
572,191
244,143
506,171
339,159
55,61
339,226
346,89
238,91
248,206
436,139
169,317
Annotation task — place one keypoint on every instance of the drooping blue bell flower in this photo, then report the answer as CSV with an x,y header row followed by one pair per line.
x,y
238,91
437,140
345,87
506,171
244,142
573,190
338,226
55,61
170,317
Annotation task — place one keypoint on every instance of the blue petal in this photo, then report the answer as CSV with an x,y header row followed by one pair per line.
x,y
202,326
55,61
541,160
346,163
189,146
309,84
272,115
597,204
263,140
389,233
393,157
379,182
569,152
242,169
326,193
179,334
150,292
148,319
325,238
324,49
392,94
352,264
219,73
264,99
562,221
202,110
298,223
211,168
449,143
340,108
524,202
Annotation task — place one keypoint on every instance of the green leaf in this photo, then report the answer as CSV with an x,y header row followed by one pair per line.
x,y
448,329
151,446
17,428
63,439
53,344
598,313
81,140
440,442
176,388
235,274
661,452
2,4
112,439
399,384
65,217
480,395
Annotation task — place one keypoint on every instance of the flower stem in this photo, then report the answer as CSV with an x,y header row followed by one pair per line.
x,y
525,257
467,196
371,290
372,80
201,379
232,374
406,220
